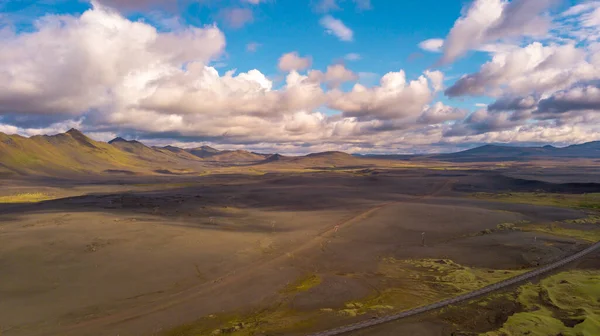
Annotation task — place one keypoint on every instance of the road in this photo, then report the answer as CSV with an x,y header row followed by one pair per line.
x,y
461,298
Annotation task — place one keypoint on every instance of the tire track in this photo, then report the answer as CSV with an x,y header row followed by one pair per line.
x,y
461,298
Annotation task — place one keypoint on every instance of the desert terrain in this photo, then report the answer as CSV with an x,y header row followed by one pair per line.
x,y
125,239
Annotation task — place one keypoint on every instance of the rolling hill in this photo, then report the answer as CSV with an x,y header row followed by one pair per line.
x,y
61,154
73,153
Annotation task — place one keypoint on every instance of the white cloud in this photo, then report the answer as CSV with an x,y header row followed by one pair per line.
x,y
487,21
439,113
433,45
335,75
394,98
336,27
533,68
292,61
103,73
71,65
436,78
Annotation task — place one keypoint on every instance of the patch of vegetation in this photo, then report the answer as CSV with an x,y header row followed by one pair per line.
x,y
452,275
25,198
557,230
302,284
268,321
583,201
421,282
587,220
566,304
481,315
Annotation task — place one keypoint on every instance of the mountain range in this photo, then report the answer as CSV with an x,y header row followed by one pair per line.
x,y
485,153
73,153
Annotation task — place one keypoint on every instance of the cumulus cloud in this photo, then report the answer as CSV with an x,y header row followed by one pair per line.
x,y
432,45
337,28
334,76
394,98
533,68
513,104
107,75
61,69
577,98
482,121
436,78
292,61
439,113
487,21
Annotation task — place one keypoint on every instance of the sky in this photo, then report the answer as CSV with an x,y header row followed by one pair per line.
x,y
299,76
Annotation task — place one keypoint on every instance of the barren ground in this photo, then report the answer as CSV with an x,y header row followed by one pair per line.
x,y
278,254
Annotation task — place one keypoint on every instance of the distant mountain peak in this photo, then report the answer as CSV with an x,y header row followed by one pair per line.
x,y
117,139
74,131
328,153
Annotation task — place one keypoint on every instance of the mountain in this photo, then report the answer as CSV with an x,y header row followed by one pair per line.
x,y
233,156
322,160
72,153
164,156
66,153
589,150
203,152
177,152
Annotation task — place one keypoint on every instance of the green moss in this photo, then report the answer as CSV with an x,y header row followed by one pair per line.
x,y
25,198
537,323
585,201
276,320
446,273
556,230
302,284
587,220
569,296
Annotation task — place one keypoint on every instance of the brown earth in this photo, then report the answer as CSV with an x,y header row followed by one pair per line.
x,y
139,255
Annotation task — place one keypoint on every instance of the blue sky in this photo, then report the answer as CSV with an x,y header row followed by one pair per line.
x,y
495,46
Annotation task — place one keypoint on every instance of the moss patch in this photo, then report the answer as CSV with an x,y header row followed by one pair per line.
x,y
302,284
268,321
567,303
26,198
584,201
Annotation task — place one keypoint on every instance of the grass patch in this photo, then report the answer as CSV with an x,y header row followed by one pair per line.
x,y
591,236
263,322
420,282
581,201
566,304
26,198
302,284
456,277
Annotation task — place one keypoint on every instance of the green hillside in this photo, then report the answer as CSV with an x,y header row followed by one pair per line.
x,y
74,153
